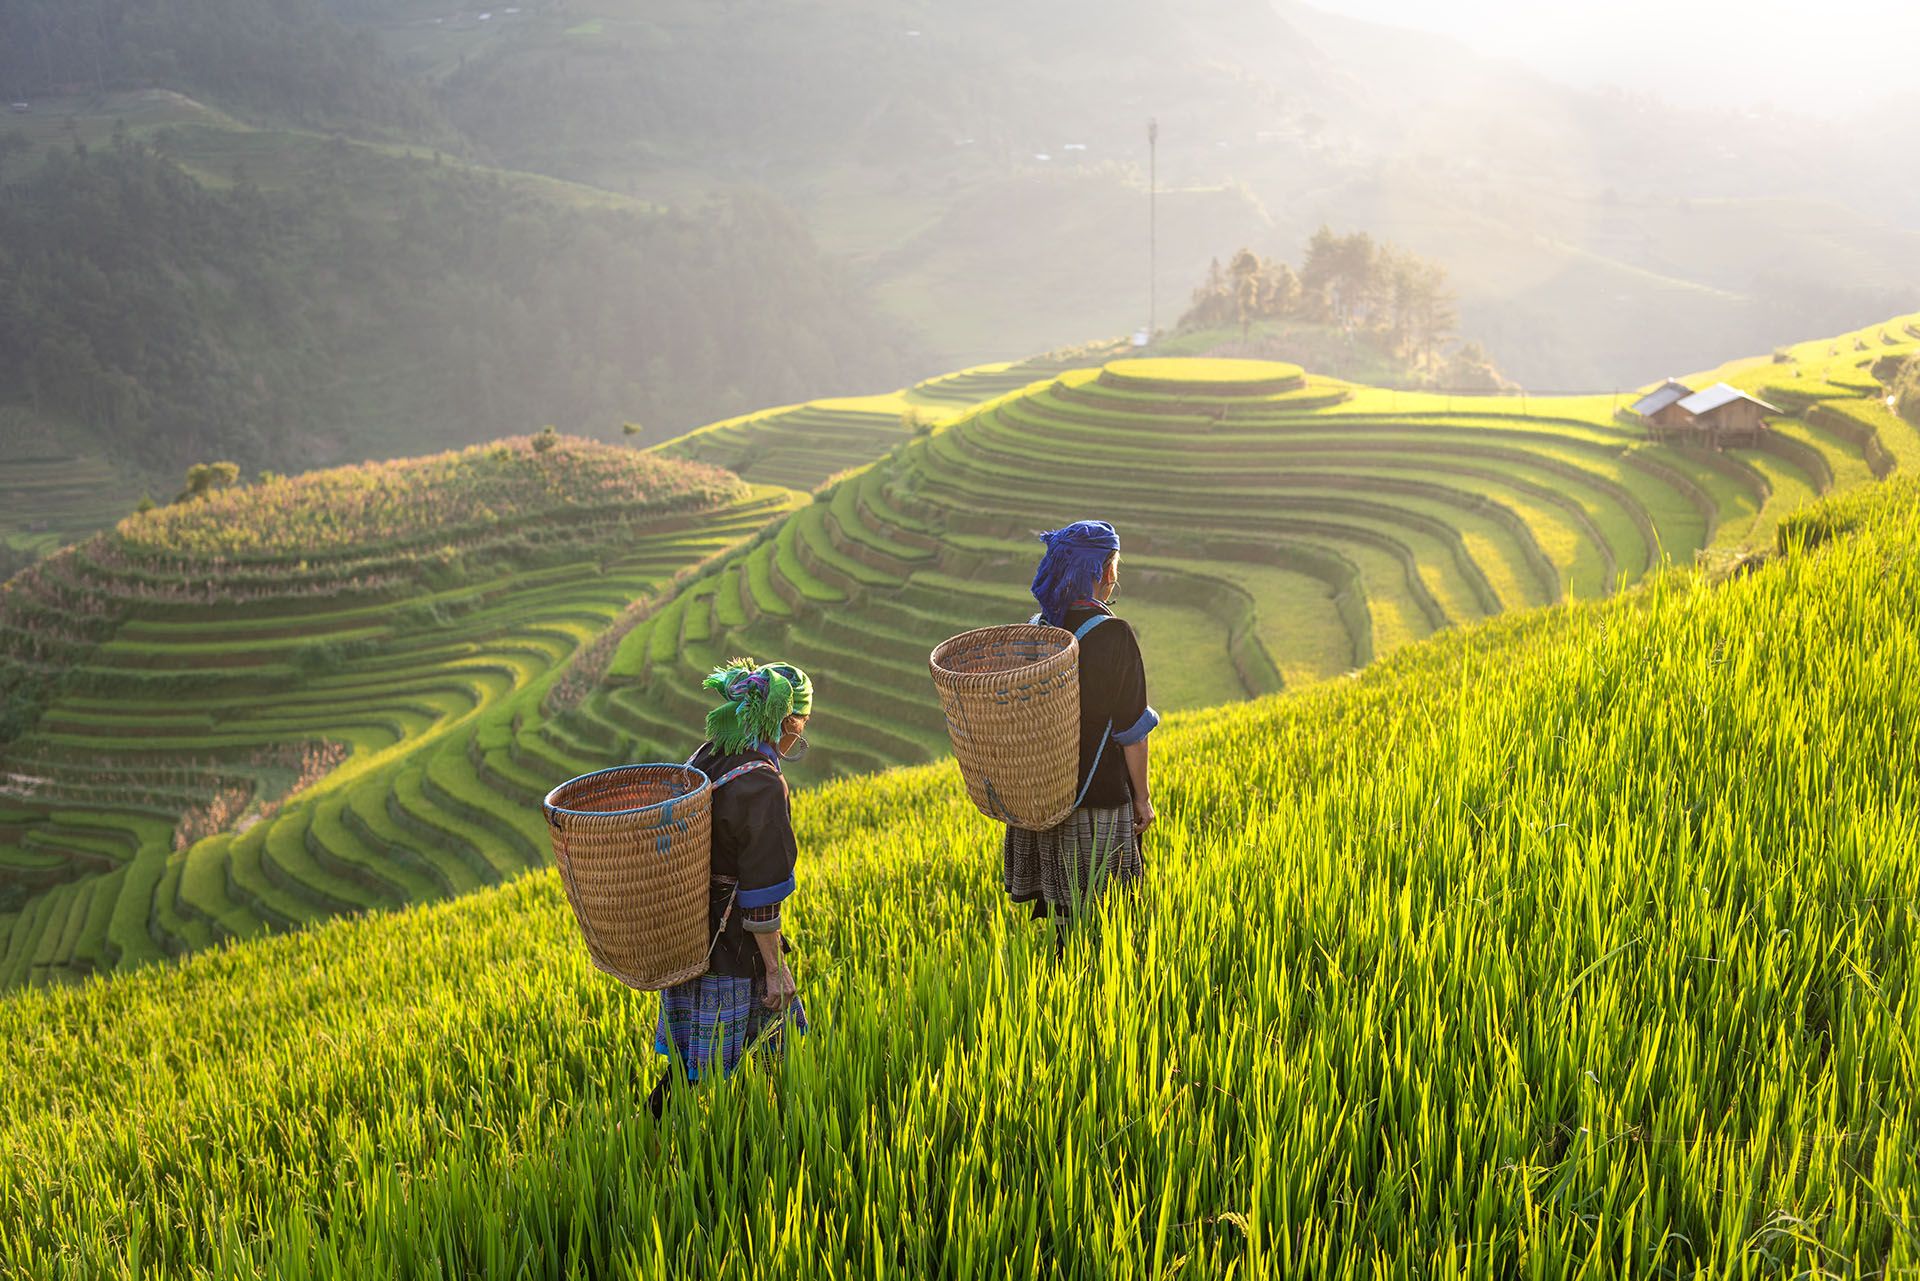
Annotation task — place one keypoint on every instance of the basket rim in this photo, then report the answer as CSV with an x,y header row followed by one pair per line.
x,y
933,658
552,809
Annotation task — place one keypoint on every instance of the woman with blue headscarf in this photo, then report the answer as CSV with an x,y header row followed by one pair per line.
x,y
747,997
1099,843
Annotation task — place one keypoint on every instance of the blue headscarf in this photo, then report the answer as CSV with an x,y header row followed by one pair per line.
x,y
1077,554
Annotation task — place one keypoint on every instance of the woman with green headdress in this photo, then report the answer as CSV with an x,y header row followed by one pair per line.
x,y
747,995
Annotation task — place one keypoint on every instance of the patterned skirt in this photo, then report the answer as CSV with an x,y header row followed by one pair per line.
x,y
1073,862
714,1021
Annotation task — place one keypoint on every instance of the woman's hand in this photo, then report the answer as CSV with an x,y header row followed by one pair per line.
x,y
780,987
1142,814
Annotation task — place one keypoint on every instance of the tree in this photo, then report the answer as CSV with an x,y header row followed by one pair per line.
x,y
1245,269
1344,273
1469,368
205,478
1250,288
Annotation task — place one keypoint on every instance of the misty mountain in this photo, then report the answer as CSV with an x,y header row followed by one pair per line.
x,y
533,188
365,303
1594,236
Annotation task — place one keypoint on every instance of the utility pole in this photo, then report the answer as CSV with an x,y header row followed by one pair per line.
x,y
1153,230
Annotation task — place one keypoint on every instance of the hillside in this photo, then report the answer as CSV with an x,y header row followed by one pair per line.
x,y
1277,532
315,695
982,167
293,300
168,685
1569,943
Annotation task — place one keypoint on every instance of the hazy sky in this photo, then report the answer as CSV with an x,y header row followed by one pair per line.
x,y
1809,56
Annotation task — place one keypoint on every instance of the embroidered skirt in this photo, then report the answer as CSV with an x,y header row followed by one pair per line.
x,y
714,1021
1073,862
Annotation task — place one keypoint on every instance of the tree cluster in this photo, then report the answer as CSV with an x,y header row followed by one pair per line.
x,y
1372,290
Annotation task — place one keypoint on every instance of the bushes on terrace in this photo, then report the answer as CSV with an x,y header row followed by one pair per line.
x,y
437,497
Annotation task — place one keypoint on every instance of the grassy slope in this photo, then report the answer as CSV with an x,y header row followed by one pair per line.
x,y
1532,950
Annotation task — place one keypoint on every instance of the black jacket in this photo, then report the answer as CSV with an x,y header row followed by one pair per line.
x,y
753,843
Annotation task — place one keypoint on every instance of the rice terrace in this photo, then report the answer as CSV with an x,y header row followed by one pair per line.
x,y
1486,839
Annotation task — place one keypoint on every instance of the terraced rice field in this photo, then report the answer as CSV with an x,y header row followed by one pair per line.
x,y
50,492
199,692
1280,529
801,446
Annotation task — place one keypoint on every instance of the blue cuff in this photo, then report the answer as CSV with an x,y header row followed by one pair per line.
x,y
1139,729
769,895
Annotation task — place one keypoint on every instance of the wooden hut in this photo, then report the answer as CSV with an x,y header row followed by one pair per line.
x,y
1724,415
1660,409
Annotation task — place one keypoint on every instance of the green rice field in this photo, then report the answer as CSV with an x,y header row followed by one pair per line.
x,y
1279,529
1576,941
235,738
191,691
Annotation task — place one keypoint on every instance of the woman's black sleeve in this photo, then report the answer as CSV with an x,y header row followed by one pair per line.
x,y
763,829
1133,717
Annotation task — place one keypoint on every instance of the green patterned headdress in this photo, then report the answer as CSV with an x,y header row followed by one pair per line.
x,y
758,699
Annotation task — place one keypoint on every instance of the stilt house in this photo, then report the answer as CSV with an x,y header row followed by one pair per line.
x,y
1718,416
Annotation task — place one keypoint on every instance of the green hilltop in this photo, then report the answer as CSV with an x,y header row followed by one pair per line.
x,y
275,713
1534,949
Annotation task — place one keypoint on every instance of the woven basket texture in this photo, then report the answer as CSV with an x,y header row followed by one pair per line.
x,y
1012,700
633,848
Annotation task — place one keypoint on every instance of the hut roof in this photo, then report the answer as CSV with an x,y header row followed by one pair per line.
x,y
1660,397
1719,394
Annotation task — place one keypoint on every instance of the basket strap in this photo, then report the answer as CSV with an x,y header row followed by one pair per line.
x,y
1079,631
736,772
726,914
1092,769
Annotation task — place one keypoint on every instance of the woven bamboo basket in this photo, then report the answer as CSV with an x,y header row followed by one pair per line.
x,y
1012,699
633,847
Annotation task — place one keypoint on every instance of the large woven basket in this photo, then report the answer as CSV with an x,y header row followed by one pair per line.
x,y
1012,699
633,847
